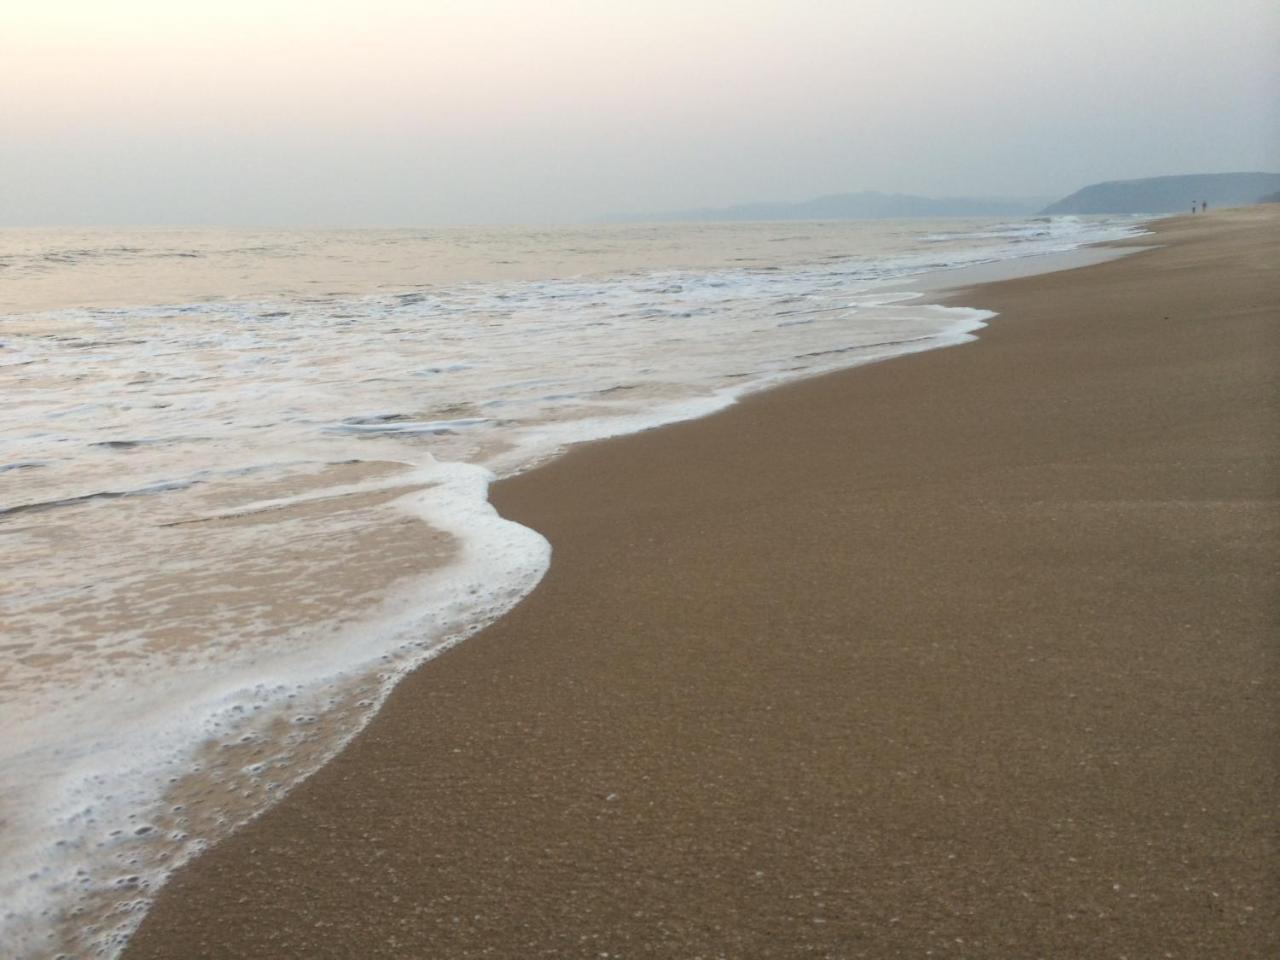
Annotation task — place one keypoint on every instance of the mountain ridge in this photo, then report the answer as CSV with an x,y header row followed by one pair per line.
x,y
1153,195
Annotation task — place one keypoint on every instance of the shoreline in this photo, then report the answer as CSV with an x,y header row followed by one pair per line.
x,y
164,820
613,839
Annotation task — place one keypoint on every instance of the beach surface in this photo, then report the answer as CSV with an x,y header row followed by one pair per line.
x,y
968,653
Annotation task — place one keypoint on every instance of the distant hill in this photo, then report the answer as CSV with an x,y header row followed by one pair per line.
x,y
1168,194
868,205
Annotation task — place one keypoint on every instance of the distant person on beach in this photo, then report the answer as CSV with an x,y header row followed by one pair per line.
x,y
1193,206
1204,206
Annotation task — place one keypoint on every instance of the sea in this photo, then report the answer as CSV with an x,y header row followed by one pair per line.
x,y
243,478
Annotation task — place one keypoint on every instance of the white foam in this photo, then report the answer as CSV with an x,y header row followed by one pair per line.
x,y
97,790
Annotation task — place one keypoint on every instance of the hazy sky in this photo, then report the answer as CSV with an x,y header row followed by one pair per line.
x,y
398,112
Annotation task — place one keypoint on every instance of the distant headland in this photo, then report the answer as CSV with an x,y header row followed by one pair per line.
x,y
1168,194
1148,195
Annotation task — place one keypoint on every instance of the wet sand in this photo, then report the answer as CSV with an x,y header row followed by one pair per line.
x,y
967,654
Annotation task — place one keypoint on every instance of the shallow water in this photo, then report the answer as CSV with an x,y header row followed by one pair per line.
x,y
243,476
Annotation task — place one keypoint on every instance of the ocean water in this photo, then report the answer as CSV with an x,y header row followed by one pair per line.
x,y
243,481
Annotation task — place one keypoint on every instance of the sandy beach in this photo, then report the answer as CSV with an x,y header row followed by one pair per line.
x,y
966,654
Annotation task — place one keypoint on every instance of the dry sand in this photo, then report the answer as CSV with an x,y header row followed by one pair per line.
x,y
968,654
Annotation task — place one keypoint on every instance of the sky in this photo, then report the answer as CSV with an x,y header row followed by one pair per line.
x,y
390,112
